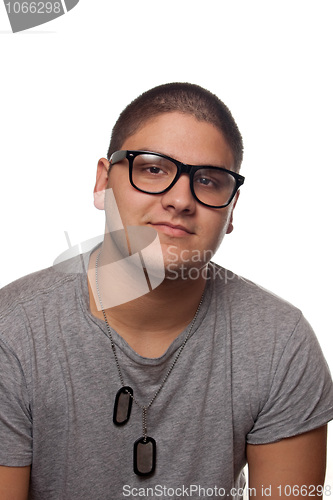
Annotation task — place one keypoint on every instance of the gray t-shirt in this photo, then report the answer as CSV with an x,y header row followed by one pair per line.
x,y
251,372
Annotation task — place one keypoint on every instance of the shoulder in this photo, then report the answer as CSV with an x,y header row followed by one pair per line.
x,y
246,299
283,382
32,288
258,320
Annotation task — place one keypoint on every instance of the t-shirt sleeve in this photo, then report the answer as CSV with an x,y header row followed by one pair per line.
x,y
300,394
15,412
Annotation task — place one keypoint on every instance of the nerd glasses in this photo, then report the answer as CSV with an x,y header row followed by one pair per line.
x,y
155,173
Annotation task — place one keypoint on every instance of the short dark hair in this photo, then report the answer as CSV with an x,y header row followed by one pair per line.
x,y
182,97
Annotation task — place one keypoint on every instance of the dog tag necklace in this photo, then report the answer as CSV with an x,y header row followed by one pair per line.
x,y
144,452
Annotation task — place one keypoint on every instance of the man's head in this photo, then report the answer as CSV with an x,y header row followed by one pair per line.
x,y
184,98
192,126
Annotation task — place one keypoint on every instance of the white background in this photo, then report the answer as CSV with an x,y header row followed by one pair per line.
x,y
64,83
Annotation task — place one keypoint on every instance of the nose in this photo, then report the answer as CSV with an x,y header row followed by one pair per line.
x,y
179,198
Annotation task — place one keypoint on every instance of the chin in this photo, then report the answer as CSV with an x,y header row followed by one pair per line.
x,y
185,271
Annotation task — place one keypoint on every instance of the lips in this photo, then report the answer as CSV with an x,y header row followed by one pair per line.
x,y
172,229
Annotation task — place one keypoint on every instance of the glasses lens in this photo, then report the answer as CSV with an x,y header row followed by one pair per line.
x,y
213,186
152,173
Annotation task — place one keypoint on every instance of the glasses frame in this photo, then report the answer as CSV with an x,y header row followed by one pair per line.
x,y
182,168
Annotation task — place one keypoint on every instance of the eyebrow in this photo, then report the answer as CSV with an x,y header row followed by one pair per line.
x,y
149,150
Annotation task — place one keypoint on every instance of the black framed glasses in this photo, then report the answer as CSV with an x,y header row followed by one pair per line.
x,y
155,173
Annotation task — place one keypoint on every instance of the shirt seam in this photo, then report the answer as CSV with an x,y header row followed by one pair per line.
x,y
25,300
279,362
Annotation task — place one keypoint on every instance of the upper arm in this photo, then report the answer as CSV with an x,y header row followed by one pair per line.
x,y
14,483
293,462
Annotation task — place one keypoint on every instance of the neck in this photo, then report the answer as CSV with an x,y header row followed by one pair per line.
x,y
151,322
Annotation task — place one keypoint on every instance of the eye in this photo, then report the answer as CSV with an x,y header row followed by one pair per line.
x,y
152,169
214,179
204,180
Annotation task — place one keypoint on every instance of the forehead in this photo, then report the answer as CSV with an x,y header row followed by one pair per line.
x,y
184,138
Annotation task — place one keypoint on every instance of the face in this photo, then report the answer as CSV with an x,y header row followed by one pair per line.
x,y
189,232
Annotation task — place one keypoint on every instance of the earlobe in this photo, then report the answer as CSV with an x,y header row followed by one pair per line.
x,y
101,183
230,225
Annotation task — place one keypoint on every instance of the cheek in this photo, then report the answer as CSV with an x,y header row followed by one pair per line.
x,y
215,229
134,207
120,187
113,211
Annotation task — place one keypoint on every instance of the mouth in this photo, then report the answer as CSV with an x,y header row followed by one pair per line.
x,y
171,229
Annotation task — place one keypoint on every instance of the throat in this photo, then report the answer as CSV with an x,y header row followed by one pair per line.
x,y
142,337
150,323
150,345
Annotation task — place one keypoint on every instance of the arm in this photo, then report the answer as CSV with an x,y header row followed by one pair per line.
x,y
14,483
293,462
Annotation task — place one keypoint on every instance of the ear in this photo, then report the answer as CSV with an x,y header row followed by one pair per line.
x,y
101,183
230,226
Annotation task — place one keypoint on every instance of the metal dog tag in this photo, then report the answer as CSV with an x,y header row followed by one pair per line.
x,y
122,406
144,456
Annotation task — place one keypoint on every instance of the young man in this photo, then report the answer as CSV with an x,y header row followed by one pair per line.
x,y
111,391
